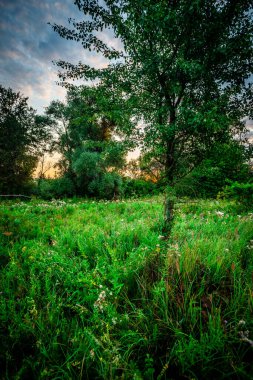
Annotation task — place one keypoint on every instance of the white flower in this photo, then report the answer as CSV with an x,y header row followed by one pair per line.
x,y
219,213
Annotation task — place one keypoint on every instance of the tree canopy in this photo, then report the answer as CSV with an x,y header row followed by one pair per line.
x,y
91,151
22,133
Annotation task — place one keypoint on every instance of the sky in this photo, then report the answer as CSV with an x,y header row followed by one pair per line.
x,y
28,45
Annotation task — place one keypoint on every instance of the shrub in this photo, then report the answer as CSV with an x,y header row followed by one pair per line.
x,y
226,162
106,186
139,187
56,188
240,192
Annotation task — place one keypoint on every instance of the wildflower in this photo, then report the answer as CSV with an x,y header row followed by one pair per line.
x,y
114,321
245,337
92,354
100,301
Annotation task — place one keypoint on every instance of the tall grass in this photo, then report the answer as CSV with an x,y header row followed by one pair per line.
x,y
91,291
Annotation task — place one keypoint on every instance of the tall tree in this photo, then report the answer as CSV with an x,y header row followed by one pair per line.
x,y
90,152
184,69
22,132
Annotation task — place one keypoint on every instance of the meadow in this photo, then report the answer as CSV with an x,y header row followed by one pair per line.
x,y
90,290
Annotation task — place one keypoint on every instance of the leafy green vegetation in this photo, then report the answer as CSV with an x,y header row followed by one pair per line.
x,y
23,136
241,192
92,290
85,138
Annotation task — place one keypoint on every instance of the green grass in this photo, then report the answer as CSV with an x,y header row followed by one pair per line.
x,y
90,291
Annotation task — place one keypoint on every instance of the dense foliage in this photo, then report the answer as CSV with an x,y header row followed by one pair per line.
x,y
21,135
241,192
225,163
86,138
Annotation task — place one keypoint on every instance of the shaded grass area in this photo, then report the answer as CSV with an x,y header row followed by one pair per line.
x,y
91,291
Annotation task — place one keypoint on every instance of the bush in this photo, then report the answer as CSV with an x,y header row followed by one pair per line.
x,y
107,186
204,182
56,188
139,187
240,192
227,162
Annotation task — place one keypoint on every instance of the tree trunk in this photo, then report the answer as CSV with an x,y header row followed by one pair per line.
x,y
169,175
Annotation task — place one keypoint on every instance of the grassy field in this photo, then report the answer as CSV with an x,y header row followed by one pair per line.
x,y
91,291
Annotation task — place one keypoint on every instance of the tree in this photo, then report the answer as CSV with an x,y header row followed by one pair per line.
x,y
21,135
61,114
184,69
91,154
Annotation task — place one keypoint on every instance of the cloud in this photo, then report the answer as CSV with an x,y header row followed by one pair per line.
x,y
28,46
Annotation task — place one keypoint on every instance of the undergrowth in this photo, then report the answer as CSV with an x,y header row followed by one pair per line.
x,y
92,291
